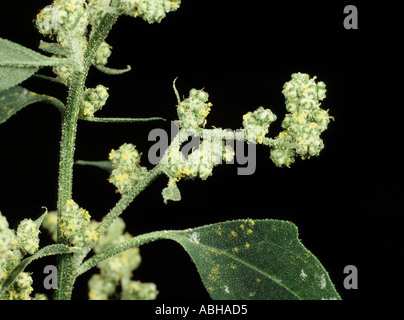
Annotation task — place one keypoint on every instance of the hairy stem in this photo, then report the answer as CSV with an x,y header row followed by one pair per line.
x,y
66,267
121,120
127,199
120,207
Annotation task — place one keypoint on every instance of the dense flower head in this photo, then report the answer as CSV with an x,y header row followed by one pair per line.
x,y
28,236
192,111
103,53
256,124
64,19
13,246
136,290
8,238
199,164
94,99
150,10
127,170
75,225
304,123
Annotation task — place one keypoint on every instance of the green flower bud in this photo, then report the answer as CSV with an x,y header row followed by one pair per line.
x,y
100,288
8,238
127,170
8,261
40,296
64,19
64,73
93,100
192,112
136,290
150,10
28,236
75,225
305,122
103,53
171,192
97,10
115,269
256,124
50,223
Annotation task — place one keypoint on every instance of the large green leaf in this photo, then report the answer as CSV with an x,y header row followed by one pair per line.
x,y
16,98
261,259
18,63
46,251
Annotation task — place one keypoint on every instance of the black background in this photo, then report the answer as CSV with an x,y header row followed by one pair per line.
x,y
347,203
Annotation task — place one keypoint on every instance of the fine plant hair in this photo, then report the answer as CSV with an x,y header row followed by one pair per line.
x,y
237,259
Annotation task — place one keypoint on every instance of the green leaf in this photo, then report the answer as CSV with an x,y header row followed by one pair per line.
x,y
16,98
53,48
105,165
18,63
261,259
10,77
46,251
111,71
40,219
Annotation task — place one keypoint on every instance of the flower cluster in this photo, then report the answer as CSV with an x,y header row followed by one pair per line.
x,y
102,54
192,112
199,163
68,22
127,169
49,223
150,10
304,123
64,19
256,124
93,100
28,236
13,246
118,269
75,225
96,10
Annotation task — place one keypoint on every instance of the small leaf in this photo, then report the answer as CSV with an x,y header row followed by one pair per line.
x,y
16,98
261,259
40,219
112,71
46,251
53,48
171,192
18,63
105,165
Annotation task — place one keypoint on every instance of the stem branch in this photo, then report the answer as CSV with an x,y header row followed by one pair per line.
x,y
66,267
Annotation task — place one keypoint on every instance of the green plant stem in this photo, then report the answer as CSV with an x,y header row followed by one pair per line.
x,y
127,199
121,120
133,242
66,267
121,205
